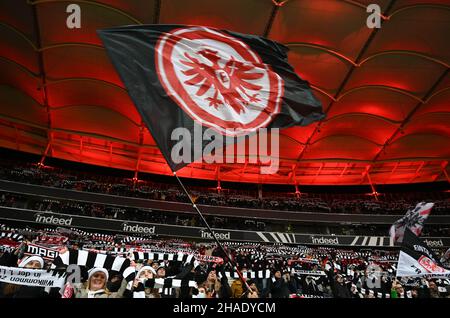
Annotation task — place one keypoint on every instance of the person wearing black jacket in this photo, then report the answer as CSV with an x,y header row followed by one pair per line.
x,y
279,287
310,286
340,290
187,273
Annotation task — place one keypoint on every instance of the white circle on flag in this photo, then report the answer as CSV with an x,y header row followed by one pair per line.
x,y
218,80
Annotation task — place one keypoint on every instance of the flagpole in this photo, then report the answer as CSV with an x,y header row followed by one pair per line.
x,y
231,262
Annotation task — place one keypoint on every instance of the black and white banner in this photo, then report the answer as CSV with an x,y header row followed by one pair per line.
x,y
181,257
309,273
90,260
416,259
31,277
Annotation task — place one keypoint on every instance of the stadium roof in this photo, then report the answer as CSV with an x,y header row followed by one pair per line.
x,y
386,91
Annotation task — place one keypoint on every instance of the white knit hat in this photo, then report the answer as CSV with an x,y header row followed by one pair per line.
x,y
28,259
94,270
143,268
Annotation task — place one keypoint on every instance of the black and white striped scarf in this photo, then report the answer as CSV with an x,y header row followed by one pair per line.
x,y
91,260
185,258
365,291
248,275
165,286
11,236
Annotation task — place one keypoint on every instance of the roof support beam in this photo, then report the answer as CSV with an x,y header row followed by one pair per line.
x,y
219,187
318,172
416,174
372,186
218,172
138,159
157,11
344,170
395,167
347,77
110,153
444,170
44,155
294,179
374,191
16,137
365,172
47,149
293,175
81,148
411,113
275,8
243,168
320,169
392,171
43,84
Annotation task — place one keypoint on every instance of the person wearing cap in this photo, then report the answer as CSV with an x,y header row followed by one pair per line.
x,y
216,288
161,271
164,292
138,288
8,290
95,287
152,264
340,290
279,287
34,262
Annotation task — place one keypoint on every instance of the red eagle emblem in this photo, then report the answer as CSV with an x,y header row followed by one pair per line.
x,y
429,265
230,83
218,80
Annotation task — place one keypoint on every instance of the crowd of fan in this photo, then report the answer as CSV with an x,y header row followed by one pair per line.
x,y
150,190
164,217
294,272
128,213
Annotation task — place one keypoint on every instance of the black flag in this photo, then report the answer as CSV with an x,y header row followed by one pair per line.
x,y
182,76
